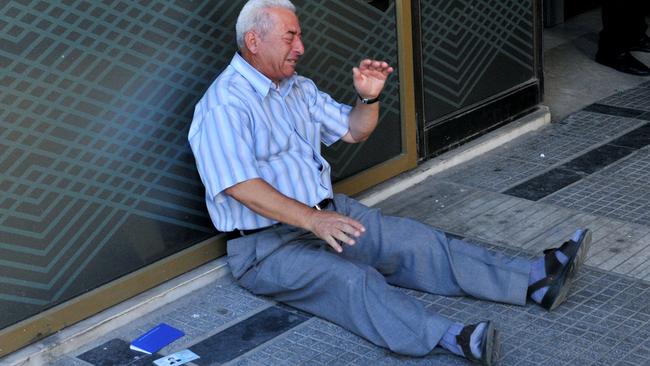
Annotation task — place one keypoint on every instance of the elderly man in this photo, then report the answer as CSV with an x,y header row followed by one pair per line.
x,y
256,136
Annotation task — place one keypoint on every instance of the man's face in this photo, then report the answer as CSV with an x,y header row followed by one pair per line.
x,y
280,48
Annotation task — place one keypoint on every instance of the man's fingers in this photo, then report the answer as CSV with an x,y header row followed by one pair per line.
x,y
348,231
352,227
332,243
336,229
356,73
341,237
379,65
356,224
375,65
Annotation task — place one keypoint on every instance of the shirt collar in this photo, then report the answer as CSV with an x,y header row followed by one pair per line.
x,y
261,83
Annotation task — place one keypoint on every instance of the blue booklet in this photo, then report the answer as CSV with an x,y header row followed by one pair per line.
x,y
156,338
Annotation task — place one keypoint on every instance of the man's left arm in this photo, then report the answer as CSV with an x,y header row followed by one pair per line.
x,y
369,80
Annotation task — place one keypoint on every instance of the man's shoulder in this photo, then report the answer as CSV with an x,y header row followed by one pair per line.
x,y
303,81
229,88
230,82
306,86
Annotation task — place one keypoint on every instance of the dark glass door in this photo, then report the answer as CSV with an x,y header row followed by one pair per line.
x,y
480,67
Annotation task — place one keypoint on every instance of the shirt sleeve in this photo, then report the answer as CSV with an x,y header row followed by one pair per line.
x,y
222,143
332,115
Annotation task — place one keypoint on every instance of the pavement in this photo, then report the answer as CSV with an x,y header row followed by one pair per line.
x,y
591,169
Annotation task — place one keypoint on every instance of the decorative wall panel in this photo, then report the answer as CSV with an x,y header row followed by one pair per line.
x,y
96,176
473,50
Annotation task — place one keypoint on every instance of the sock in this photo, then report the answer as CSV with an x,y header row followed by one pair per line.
x,y
449,342
538,269
475,340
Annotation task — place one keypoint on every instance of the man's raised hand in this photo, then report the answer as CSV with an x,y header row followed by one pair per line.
x,y
369,78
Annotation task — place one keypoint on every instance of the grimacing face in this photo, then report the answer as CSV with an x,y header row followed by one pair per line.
x,y
280,48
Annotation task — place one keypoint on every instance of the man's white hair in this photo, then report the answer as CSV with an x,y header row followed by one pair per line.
x,y
253,16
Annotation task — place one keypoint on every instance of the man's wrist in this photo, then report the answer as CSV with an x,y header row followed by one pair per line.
x,y
368,100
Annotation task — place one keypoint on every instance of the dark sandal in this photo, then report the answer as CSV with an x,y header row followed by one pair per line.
x,y
489,344
559,277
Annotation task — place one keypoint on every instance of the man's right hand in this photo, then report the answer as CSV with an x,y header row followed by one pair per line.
x,y
335,228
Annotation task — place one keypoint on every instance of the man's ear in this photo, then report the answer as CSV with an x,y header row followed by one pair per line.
x,y
251,41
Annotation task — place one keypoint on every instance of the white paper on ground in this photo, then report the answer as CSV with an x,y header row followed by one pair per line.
x,y
177,358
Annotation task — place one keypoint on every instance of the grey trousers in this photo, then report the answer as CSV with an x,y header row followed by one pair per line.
x,y
353,289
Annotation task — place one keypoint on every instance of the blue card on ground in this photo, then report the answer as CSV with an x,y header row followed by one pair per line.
x,y
156,338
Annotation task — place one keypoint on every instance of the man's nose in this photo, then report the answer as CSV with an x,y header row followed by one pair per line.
x,y
298,46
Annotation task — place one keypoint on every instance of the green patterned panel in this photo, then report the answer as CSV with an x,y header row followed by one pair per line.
x,y
473,50
96,175
97,178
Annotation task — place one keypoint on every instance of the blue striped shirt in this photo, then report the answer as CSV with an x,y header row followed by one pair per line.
x,y
245,127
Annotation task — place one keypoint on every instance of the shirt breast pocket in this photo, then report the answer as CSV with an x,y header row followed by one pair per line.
x,y
271,143
307,128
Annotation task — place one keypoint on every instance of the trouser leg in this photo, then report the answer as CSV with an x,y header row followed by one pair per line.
x,y
310,277
414,255
623,25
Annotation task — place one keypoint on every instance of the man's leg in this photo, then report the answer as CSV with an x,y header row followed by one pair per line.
x,y
414,255
305,274
623,24
624,28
